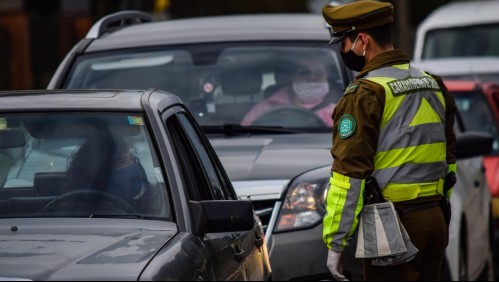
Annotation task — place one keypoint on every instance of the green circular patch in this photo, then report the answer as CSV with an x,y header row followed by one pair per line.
x,y
347,126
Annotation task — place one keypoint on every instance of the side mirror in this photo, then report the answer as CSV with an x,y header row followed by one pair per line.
x,y
473,143
221,216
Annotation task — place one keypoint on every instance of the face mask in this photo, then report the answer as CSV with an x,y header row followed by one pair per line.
x,y
352,61
310,92
126,182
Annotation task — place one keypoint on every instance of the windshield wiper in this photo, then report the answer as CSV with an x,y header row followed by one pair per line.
x,y
234,128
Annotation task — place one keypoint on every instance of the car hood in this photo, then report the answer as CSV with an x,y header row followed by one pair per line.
x,y
76,248
272,157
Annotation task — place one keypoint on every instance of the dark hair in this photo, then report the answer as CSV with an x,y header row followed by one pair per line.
x,y
381,34
90,165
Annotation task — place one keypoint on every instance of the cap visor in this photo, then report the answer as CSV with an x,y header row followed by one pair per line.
x,y
336,39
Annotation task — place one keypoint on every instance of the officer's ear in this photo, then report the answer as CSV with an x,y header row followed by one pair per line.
x,y
364,37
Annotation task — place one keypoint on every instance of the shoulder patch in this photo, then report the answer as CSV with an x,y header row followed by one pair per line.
x,y
347,126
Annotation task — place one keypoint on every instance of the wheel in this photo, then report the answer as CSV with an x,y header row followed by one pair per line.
x,y
463,260
85,201
488,273
289,116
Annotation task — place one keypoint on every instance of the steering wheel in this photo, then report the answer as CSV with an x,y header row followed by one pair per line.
x,y
87,198
289,116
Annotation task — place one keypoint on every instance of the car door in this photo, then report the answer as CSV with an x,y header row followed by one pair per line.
x,y
231,252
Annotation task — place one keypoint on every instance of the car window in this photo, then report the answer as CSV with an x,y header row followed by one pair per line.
x,y
222,83
465,41
199,171
80,165
477,115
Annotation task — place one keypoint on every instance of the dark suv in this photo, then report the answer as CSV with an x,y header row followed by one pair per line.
x,y
221,67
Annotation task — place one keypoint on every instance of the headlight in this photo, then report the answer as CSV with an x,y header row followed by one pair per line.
x,y
304,205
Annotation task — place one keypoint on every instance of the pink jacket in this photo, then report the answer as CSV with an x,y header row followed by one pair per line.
x,y
282,97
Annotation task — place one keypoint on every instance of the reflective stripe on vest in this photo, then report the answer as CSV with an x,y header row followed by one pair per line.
x,y
411,157
344,204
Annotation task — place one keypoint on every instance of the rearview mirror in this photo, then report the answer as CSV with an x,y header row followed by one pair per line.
x,y
473,143
11,138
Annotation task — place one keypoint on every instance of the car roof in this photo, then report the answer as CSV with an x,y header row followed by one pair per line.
x,y
114,100
486,88
273,27
461,85
462,13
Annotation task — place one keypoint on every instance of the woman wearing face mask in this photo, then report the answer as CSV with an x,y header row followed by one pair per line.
x,y
309,88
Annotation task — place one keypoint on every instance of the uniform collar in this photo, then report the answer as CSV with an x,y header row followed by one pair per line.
x,y
388,58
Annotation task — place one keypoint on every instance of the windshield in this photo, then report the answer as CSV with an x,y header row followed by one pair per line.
x,y
469,41
292,85
477,115
79,165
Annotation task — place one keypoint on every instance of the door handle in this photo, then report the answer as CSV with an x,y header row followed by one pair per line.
x,y
239,255
258,241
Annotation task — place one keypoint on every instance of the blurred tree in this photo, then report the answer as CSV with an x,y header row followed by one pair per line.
x,y
100,8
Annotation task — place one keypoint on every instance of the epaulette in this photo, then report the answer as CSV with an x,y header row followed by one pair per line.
x,y
352,87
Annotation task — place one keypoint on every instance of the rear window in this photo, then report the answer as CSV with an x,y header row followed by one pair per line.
x,y
468,41
477,115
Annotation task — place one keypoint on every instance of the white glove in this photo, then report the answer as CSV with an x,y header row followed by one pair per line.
x,y
335,265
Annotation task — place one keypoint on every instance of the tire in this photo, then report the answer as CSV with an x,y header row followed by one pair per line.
x,y
463,258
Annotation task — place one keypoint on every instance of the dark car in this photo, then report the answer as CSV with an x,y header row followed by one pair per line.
x,y
221,67
118,185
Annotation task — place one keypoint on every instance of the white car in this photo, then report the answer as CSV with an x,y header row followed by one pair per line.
x,y
459,29
469,254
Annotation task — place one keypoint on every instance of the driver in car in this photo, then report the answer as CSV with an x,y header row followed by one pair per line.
x,y
309,88
105,163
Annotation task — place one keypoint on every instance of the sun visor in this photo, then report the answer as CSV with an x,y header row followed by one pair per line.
x,y
80,128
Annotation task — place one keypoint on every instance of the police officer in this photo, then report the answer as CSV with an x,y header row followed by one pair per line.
x,y
394,122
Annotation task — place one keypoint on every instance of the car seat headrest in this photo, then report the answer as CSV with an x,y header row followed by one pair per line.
x,y
239,79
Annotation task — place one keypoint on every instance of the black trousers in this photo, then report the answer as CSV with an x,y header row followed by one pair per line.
x,y
428,232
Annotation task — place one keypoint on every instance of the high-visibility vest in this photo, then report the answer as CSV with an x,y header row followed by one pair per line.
x,y
411,158
410,161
